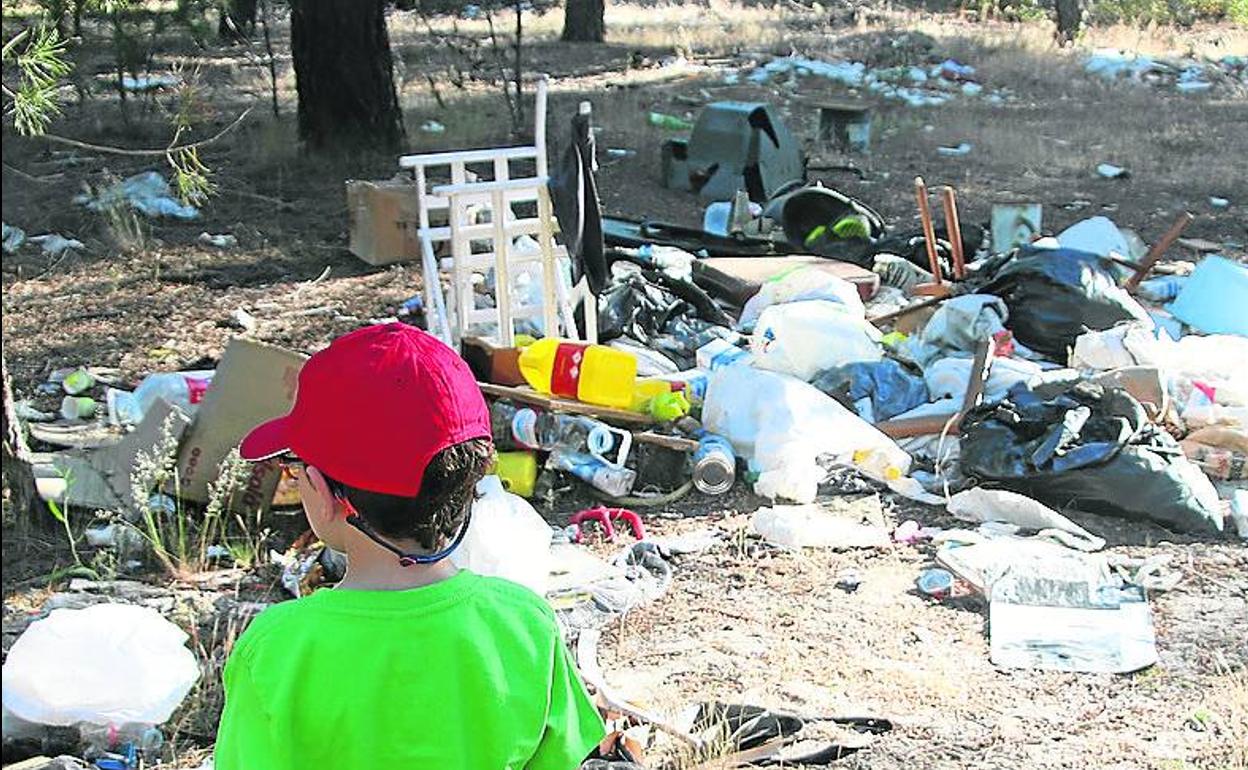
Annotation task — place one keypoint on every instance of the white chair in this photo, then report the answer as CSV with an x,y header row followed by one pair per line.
x,y
460,201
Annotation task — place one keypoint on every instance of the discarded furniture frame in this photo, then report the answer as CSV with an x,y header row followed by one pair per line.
x,y
953,231
447,214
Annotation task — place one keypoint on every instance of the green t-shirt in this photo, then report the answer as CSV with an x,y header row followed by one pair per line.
x,y
469,673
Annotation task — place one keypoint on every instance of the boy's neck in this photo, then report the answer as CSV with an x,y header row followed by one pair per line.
x,y
368,571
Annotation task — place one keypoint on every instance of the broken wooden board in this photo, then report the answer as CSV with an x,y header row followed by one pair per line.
x,y
738,278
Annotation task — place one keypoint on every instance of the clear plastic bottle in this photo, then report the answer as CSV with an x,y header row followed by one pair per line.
x,y
146,739
182,389
525,428
616,482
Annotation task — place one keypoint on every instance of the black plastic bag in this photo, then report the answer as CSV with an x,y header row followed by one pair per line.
x,y
663,314
1090,449
1054,295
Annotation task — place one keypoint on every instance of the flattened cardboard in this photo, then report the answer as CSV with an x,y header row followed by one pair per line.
x,y
99,478
383,217
254,383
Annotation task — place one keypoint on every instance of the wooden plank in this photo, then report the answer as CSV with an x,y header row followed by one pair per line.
x,y
467,156
1158,250
530,396
523,184
677,443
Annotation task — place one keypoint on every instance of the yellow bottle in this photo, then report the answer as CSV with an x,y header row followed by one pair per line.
x,y
594,374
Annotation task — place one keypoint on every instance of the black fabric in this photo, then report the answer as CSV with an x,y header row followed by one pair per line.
x,y
1090,449
912,247
672,317
574,196
1054,295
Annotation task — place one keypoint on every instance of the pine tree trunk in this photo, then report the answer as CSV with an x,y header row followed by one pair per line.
x,y
583,21
1070,15
344,75
19,479
238,20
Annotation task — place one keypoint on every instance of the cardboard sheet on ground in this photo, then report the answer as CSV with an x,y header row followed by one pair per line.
x,y
254,382
99,478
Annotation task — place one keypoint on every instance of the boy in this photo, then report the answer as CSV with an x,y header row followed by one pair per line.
x,y
408,663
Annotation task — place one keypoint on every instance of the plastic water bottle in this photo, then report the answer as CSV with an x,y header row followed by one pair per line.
x,y
714,464
595,374
719,353
145,738
182,389
526,428
616,482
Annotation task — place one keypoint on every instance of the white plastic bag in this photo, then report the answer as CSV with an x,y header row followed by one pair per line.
x,y
950,377
1122,345
981,505
804,283
106,664
506,538
782,426
804,338
798,526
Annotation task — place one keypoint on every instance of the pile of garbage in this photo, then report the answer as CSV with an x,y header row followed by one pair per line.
x,y
917,86
1185,75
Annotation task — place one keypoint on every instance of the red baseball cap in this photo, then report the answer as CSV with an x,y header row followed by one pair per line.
x,y
374,408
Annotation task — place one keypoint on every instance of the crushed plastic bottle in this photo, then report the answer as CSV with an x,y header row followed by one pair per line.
x,y
616,482
526,428
181,389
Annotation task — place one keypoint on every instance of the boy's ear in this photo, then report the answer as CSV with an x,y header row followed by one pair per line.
x,y
316,479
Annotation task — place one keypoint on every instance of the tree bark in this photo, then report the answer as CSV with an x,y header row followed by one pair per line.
x,y
583,21
344,75
238,20
1070,14
19,478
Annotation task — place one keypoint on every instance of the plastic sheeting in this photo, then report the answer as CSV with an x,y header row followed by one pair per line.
x,y
887,386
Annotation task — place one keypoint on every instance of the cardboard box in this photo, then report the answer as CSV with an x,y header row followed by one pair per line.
x,y
254,382
383,218
491,363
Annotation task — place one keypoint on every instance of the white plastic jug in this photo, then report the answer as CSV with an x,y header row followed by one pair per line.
x,y
506,538
106,664
804,338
